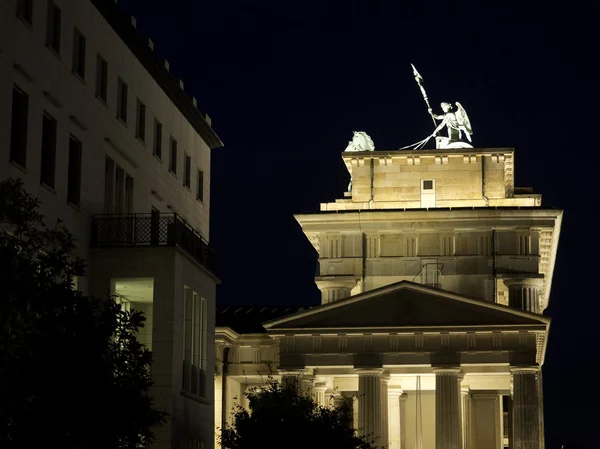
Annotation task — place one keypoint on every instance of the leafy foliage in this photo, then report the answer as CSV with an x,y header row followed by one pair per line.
x,y
280,417
71,370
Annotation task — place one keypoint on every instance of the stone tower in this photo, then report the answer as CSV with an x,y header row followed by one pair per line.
x,y
450,219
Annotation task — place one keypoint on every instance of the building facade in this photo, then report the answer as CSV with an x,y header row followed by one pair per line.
x,y
110,143
434,271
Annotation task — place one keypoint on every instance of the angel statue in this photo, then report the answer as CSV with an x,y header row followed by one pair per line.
x,y
457,122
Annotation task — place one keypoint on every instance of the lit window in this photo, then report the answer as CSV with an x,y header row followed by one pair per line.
x,y
195,341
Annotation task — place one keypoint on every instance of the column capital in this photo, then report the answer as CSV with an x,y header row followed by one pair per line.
x,y
395,391
320,386
524,369
369,371
523,279
446,369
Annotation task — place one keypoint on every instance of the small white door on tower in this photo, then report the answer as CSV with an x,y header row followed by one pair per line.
x,y
427,193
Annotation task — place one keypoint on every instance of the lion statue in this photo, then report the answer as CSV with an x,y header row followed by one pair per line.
x,y
360,142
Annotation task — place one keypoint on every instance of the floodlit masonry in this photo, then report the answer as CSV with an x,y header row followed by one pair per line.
x,y
434,271
107,139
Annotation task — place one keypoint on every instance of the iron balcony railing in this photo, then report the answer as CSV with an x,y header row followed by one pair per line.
x,y
126,230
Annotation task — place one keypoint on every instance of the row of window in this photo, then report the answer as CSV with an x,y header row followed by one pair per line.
x,y
18,147
53,33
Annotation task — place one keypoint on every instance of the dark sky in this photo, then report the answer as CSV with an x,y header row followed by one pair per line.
x,y
287,82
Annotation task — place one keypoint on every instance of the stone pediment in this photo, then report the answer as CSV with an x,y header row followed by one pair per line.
x,y
406,305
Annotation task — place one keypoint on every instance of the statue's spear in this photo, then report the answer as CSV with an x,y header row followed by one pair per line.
x,y
419,80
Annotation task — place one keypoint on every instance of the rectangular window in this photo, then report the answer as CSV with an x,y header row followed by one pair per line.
x,y
109,185
140,121
427,185
18,127
48,150
53,27
25,10
78,54
101,78
122,100
74,181
128,194
187,171
195,340
157,149
119,190
200,186
173,156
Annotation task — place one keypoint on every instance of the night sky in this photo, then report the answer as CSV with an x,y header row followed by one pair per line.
x,y
287,82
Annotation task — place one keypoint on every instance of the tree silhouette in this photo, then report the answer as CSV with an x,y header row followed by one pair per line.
x,y
280,417
71,370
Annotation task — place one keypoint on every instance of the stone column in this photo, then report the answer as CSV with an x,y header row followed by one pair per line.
x,y
394,418
319,389
447,409
369,404
385,439
523,293
465,395
526,424
308,382
334,288
540,387
292,378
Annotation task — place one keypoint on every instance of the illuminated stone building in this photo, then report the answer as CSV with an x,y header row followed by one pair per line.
x,y
108,140
435,271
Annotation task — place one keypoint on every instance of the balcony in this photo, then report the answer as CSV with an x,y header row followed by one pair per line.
x,y
132,230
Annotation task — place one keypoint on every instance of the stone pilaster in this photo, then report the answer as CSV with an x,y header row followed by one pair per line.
x,y
465,396
395,418
447,409
369,404
525,410
523,293
385,439
540,387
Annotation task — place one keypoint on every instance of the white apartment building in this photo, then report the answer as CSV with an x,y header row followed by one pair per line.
x,y
107,139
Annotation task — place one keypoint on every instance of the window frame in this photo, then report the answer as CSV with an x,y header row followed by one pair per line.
x,y
140,120
173,156
25,11
53,42
101,78
200,186
187,170
157,134
19,137
74,173
79,54
48,152
122,100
